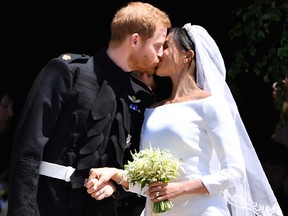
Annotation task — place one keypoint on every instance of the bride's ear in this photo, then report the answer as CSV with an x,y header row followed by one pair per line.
x,y
189,56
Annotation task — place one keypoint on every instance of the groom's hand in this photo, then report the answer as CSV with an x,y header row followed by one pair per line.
x,y
99,184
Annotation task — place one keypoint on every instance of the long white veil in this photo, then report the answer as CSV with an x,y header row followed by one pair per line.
x,y
254,196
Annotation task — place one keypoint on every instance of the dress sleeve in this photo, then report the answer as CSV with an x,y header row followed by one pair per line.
x,y
49,92
223,135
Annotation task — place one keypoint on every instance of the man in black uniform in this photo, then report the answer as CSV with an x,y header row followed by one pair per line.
x,y
83,112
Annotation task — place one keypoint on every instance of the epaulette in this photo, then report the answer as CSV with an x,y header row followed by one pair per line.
x,y
74,58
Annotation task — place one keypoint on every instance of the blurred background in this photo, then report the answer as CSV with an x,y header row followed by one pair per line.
x,y
34,32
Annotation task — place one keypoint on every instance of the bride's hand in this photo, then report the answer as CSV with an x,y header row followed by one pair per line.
x,y
99,176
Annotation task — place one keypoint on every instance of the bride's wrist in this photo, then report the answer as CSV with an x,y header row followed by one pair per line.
x,y
120,177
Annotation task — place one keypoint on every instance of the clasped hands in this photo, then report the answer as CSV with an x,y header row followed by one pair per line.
x,y
100,185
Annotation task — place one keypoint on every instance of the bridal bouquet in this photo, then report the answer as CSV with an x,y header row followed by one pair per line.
x,y
151,165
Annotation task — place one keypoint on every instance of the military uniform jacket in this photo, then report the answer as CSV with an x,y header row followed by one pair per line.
x,y
82,111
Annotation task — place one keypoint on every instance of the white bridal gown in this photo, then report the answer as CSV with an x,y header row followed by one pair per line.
x,y
191,131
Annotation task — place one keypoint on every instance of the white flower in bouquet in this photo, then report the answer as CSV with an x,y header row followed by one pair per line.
x,y
152,165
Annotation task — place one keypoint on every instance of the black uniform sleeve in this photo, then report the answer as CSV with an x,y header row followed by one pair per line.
x,y
48,94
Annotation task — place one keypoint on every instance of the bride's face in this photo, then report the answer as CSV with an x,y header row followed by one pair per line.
x,y
172,60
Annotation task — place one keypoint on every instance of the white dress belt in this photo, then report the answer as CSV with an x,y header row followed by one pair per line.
x,y
56,171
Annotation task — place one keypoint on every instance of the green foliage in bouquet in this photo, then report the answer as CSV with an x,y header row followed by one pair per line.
x,y
152,165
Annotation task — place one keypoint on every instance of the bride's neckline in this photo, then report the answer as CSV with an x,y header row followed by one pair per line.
x,y
185,98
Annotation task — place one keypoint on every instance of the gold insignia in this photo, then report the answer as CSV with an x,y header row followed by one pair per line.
x,y
134,99
66,57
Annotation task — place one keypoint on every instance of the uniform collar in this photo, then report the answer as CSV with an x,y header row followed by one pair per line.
x,y
110,70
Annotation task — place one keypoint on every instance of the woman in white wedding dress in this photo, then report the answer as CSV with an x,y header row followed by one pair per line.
x,y
200,124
